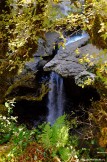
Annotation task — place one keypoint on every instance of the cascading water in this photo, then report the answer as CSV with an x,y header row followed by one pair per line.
x,y
56,94
55,98
76,37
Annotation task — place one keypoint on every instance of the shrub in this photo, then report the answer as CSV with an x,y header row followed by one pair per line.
x,y
6,128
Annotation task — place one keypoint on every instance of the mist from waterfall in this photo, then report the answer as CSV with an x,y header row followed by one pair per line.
x,y
55,98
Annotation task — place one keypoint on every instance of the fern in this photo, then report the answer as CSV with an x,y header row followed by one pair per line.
x,y
56,138
56,135
60,133
65,153
46,136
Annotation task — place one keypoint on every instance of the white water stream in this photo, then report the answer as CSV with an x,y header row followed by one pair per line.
x,y
55,98
56,94
76,37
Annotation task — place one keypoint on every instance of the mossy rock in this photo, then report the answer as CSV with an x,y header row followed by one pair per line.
x,y
3,110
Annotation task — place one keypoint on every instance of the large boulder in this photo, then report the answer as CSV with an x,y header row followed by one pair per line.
x,y
66,62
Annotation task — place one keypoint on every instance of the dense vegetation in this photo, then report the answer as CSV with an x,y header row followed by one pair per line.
x,y
22,23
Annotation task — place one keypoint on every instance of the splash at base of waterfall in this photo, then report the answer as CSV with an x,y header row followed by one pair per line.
x,y
55,98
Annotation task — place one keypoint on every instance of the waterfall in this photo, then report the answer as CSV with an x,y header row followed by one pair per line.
x,y
56,94
55,98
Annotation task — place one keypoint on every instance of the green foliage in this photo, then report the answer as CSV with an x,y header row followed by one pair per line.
x,y
6,128
56,139
46,136
7,124
52,135
20,139
65,153
95,21
22,23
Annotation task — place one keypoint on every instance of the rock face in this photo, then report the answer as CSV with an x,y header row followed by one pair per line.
x,y
66,62
45,49
28,86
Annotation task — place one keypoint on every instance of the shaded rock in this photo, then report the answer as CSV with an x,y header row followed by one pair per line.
x,y
32,65
36,64
45,47
26,87
44,53
79,99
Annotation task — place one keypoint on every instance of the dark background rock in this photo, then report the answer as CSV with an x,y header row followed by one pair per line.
x,y
78,99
